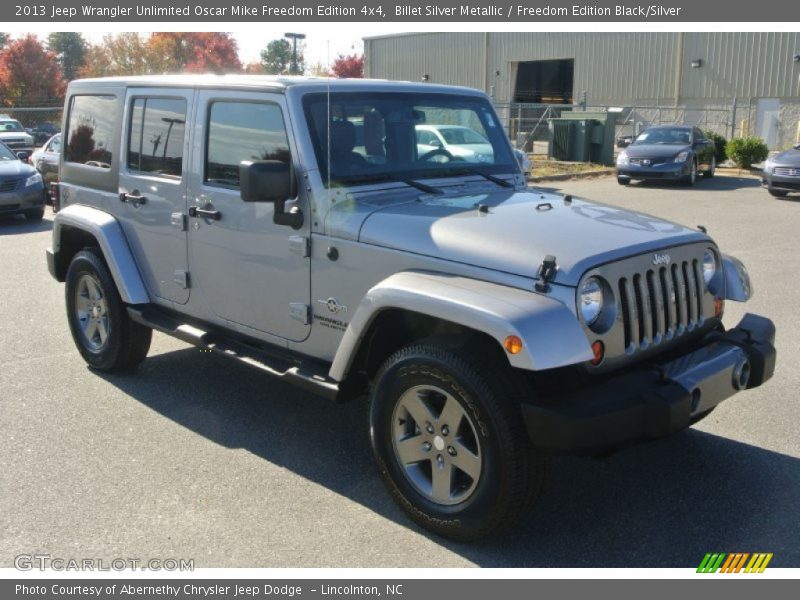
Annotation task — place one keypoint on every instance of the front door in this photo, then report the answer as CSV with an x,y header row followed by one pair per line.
x,y
152,187
242,263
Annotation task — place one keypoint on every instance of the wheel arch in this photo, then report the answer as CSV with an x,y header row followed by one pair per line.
x,y
414,305
77,227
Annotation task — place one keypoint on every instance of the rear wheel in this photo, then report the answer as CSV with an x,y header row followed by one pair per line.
x,y
448,438
103,332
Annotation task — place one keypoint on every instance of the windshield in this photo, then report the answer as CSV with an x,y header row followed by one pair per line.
x,y
6,154
10,126
665,135
376,136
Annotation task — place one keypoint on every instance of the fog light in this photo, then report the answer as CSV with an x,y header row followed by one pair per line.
x,y
513,344
598,350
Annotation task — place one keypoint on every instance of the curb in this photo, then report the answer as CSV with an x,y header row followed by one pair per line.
x,y
566,176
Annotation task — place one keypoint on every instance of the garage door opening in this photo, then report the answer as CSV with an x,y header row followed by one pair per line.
x,y
545,81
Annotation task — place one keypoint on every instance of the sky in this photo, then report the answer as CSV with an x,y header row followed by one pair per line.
x,y
321,45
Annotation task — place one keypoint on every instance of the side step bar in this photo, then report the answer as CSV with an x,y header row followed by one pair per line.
x,y
308,373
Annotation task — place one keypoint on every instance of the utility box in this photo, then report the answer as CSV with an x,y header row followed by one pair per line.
x,y
583,136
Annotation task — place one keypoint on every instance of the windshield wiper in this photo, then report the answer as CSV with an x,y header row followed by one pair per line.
x,y
390,177
472,171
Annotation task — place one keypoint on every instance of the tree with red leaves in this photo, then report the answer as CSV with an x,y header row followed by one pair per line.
x,y
349,66
29,75
198,52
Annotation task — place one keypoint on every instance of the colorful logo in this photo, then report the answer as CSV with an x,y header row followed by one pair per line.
x,y
715,562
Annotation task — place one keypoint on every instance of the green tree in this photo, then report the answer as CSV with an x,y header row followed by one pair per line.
x,y
277,58
70,50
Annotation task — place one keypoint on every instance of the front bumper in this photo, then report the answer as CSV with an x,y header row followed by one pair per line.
x,y
781,182
669,171
22,199
658,398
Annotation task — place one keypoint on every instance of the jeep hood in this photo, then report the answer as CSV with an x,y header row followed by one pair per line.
x,y
519,229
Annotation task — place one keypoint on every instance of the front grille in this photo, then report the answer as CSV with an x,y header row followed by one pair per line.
x,y
647,162
15,142
661,303
9,185
787,171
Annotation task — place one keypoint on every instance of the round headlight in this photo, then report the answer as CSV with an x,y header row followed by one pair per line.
x,y
709,265
592,299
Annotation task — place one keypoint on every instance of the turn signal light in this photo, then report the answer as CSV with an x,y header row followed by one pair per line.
x,y
599,350
513,344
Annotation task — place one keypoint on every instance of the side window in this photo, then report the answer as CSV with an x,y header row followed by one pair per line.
x,y
55,145
698,136
155,136
424,137
240,131
90,131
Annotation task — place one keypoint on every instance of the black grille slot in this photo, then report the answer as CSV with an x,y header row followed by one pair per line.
x,y
9,185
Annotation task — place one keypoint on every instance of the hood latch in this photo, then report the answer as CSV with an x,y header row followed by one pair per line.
x,y
547,272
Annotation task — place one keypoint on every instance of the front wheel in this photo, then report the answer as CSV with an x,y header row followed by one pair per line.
x,y
35,215
103,332
448,438
712,169
623,180
777,193
691,178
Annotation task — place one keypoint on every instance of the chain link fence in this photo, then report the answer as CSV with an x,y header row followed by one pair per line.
x,y
527,124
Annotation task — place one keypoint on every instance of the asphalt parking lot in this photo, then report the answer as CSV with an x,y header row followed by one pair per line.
x,y
194,456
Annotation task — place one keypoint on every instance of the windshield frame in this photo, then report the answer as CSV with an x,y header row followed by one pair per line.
x,y
493,129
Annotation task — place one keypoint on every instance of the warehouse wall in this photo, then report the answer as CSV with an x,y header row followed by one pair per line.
x,y
617,69
613,68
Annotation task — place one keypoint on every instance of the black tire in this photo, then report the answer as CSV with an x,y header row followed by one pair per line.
x,y
690,179
699,417
709,173
623,180
488,394
127,342
777,193
35,215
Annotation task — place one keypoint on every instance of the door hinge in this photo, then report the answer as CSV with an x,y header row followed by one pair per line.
x,y
182,279
300,312
179,220
300,245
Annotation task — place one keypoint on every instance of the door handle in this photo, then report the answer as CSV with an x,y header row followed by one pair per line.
x,y
133,198
204,213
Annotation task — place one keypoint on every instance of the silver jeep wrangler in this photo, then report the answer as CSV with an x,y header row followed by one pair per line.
x,y
318,230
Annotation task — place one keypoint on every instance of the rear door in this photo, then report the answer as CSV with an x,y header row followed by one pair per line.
x,y
248,270
152,187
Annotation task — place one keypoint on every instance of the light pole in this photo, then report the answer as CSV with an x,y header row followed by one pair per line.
x,y
294,37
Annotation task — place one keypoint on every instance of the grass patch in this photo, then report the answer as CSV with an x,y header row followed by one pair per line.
x,y
546,168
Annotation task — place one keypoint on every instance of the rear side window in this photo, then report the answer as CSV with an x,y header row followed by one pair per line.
x,y
240,131
156,134
90,131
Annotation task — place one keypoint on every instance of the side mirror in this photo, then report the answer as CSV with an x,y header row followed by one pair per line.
x,y
271,181
436,143
23,155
